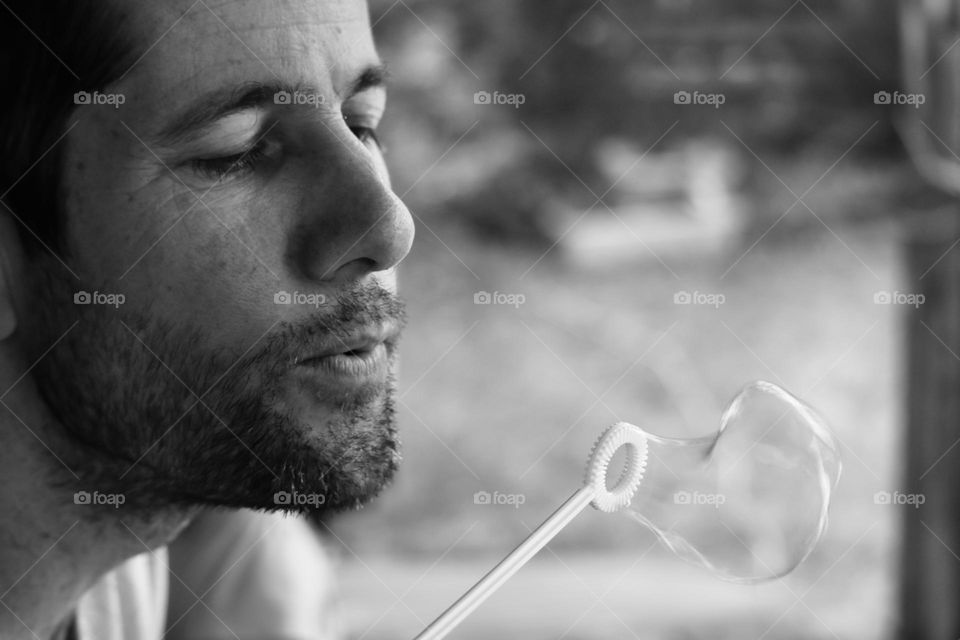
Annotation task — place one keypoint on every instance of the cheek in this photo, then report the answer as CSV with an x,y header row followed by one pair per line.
x,y
214,272
107,227
176,261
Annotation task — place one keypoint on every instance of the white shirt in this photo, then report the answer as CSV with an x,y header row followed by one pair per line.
x,y
231,574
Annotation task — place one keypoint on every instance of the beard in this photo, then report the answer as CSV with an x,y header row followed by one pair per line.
x,y
152,410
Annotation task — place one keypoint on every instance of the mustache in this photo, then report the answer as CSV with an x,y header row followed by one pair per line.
x,y
354,310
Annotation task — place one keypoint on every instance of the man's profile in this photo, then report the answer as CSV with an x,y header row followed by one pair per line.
x,y
198,252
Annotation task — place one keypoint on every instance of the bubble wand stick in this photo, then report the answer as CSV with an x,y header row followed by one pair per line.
x,y
594,492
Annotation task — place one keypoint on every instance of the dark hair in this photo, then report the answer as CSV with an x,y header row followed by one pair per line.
x,y
49,50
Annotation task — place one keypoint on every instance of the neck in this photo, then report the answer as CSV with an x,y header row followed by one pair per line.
x,y
51,548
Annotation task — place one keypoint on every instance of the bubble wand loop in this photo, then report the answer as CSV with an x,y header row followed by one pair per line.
x,y
593,492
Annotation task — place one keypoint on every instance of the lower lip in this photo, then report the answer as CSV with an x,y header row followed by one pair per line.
x,y
368,366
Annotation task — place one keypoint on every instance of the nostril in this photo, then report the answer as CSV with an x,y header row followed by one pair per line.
x,y
356,269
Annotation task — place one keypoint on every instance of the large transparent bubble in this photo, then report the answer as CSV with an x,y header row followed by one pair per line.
x,y
749,503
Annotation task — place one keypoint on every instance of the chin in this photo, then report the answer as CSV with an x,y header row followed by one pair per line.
x,y
343,451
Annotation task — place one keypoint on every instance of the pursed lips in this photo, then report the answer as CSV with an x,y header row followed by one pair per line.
x,y
357,344
359,358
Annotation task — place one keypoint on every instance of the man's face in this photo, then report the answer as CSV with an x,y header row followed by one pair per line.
x,y
239,203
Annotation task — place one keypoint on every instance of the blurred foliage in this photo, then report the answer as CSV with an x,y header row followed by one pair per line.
x,y
798,79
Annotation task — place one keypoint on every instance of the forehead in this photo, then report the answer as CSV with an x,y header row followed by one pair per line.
x,y
192,46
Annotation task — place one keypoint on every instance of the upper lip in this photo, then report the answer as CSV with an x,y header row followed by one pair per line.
x,y
362,340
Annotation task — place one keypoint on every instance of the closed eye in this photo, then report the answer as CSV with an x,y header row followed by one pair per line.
x,y
231,166
365,133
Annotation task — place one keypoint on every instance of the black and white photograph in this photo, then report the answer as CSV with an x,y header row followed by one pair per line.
x,y
427,319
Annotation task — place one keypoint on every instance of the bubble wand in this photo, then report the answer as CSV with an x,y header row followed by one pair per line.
x,y
765,433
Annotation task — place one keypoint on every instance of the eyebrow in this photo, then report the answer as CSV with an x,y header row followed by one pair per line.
x,y
223,102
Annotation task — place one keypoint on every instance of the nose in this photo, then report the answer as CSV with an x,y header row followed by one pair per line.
x,y
352,224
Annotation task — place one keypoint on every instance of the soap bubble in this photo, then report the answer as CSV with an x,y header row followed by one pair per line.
x,y
749,503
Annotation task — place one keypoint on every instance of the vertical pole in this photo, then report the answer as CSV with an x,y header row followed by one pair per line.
x,y
929,598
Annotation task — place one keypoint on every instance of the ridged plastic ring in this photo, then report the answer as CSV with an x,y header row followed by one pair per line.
x,y
622,434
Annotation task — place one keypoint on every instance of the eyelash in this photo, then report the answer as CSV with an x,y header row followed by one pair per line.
x,y
220,168
368,134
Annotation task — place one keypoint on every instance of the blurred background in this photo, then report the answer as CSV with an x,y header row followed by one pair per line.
x,y
587,165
